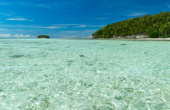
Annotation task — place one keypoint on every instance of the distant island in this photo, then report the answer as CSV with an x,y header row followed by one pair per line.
x,y
148,26
43,36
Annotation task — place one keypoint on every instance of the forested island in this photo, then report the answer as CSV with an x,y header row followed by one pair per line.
x,y
154,26
43,36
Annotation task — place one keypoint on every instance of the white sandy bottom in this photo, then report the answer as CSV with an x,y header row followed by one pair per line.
x,y
84,74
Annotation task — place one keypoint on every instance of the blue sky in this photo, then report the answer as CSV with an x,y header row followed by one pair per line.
x,y
69,18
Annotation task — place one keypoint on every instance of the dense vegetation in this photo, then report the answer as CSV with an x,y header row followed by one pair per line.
x,y
43,36
153,25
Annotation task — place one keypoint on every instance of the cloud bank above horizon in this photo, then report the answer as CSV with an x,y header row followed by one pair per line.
x,y
15,36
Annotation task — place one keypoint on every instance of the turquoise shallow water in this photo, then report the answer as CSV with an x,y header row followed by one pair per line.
x,y
62,74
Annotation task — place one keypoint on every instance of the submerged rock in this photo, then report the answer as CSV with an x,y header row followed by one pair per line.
x,y
81,55
16,56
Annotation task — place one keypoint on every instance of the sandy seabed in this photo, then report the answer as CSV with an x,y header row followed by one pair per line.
x,y
63,74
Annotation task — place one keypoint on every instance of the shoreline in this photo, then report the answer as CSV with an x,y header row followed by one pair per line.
x,y
161,39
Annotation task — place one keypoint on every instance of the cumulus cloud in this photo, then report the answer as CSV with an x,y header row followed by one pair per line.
x,y
21,35
18,19
16,35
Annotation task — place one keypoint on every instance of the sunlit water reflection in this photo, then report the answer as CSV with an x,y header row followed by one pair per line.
x,y
58,74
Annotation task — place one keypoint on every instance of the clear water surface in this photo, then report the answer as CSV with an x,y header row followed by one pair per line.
x,y
62,74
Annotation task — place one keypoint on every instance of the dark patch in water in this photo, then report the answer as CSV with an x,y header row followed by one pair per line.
x,y
46,75
145,53
69,62
16,56
81,55
123,44
89,63
85,83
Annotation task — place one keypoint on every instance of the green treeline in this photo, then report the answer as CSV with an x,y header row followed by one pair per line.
x,y
43,36
153,25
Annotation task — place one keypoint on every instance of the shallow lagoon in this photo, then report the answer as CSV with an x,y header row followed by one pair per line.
x,y
62,74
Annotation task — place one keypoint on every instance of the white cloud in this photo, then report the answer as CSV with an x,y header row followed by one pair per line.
x,y
51,27
16,35
5,35
18,19
137,14
73,36
21,35
32,26
81,26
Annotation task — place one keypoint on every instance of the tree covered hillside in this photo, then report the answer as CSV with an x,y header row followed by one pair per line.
x,y
153,25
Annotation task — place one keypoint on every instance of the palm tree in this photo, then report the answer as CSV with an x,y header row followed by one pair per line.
x,y
154,25
161,30
168,26
165,27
